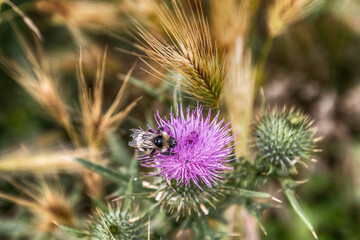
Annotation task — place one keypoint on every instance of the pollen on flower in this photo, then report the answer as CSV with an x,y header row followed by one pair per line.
x,y
204,147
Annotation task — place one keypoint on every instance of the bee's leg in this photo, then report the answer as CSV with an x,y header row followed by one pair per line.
x,y
152,152
168,153
151,130
160,129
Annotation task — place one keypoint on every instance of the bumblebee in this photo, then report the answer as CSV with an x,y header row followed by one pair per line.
x,y
153,142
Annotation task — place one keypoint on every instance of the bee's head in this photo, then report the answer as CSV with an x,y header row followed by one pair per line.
x,y
172,142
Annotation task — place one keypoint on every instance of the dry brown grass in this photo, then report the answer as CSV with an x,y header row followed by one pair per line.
x,y
93,15
240,96
41,80
79,16
230,20
283,13
40,162
27,20
46,200
96,123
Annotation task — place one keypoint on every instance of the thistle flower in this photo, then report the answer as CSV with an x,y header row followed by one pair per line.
x,y
116,223
284,139
189,51
284,12
204,146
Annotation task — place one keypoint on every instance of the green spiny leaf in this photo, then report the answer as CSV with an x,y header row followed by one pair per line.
x,y
118,150
288,188
152,91
256,209
75,232
254,194
106,172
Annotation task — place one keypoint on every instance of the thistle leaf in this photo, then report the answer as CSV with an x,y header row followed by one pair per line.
x,y
254,194
152,91
106,172
288,186
75,232
119,151
256,209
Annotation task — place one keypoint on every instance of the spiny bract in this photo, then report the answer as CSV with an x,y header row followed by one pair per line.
x,y
283,139
115,223
182,201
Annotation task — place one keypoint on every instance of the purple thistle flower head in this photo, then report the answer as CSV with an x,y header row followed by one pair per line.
x,y
204,146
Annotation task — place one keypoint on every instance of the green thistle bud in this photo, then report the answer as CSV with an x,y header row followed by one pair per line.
x,y
284,139
116,224
181,201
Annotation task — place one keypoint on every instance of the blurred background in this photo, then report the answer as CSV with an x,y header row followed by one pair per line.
x,y
314,66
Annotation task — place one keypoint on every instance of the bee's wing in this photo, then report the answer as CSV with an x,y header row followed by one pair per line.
x,y
142,139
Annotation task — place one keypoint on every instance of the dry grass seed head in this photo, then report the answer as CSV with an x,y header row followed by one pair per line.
x,y
95,123
24,17
46,200
83,14
79,16
189,51
230,20
283,13
40,80
142,10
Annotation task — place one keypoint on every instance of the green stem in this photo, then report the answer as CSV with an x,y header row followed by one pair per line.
x,y
262,61
290,194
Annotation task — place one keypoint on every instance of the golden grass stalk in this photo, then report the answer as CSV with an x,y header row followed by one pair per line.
x,y
239,96
24,17
46,161
232,31
280,16
142,10
230,20
93,15
40,80
46,200
283,13
239,99
78,16
96,123
188,51
347,11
